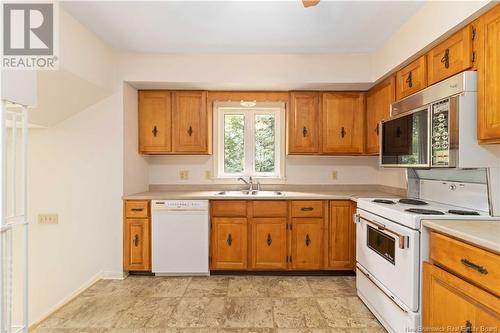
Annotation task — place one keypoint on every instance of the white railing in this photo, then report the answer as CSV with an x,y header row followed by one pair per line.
x,y
13,212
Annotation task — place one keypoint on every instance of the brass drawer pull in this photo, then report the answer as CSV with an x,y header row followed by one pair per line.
x,y
229,239
472,265
307,209
154,131
136,240
343,132
304,131
190,130
446,58
409,80
308,240
137,209
269,240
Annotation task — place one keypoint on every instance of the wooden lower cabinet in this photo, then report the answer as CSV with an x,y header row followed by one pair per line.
x,y
136,236
229,243
306,243
341,236
449,301
268,243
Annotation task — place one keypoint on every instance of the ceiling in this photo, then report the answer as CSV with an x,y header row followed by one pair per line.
x,y
243,26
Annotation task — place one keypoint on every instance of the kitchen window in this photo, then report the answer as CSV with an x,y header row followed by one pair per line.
x,y
249,141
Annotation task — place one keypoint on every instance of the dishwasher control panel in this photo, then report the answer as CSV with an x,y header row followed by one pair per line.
x,y
179,204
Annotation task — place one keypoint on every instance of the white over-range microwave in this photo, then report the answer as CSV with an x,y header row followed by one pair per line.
x,y
435,127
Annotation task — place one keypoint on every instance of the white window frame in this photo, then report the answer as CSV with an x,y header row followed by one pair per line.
x,y
227,108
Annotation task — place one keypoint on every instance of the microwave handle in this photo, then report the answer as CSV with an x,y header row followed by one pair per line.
x,y
402,239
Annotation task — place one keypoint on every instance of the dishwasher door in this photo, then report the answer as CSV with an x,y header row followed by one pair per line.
x,y
180,237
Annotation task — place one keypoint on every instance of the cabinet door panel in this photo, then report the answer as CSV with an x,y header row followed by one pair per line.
x,y
190,122
155,122
449,301
452,56
229,243
378,104
307,243
137,245
488,77
303,123
412,78
343,123
268,240
341,235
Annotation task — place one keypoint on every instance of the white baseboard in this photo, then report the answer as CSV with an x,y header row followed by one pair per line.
x,y
66,300
111,275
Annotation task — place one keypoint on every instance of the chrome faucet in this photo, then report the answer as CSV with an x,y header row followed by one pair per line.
x,y
249,182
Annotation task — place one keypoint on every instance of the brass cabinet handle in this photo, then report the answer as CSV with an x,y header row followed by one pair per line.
x,y
269,240
154,131
446,58
304,131
342,132
472,265
308,240
136,240
229,239
137,209
409,80
307,209
190,131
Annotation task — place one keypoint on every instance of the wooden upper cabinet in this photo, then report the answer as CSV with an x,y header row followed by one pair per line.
x,y
303,123
452,56
449,301
155,122
229,243
412,78
190,119
268,243
342,238
488,76
378,104
307,243
342,122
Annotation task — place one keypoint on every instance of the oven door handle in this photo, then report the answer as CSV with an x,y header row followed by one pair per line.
x,y
402,239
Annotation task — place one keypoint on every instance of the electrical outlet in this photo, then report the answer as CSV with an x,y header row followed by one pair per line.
x,y
208,174
184,174
48,218
334,175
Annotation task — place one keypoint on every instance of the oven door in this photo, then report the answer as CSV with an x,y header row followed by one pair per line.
x,y
405,140
389,252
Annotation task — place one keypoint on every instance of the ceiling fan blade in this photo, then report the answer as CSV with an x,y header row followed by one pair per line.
x,y
310,3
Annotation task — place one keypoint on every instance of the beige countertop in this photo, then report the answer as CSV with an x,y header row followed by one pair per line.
x,y
485,234
289,195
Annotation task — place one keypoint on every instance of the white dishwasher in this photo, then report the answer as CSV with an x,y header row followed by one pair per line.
x,y
180,236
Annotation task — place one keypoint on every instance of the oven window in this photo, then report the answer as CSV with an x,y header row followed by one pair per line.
x,y
382,244
405,140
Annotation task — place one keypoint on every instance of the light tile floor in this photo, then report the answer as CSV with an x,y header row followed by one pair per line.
x,y
226,304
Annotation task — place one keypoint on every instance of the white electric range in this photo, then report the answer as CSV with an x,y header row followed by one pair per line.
x,y
391,246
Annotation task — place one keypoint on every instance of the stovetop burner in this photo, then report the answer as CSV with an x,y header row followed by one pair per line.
x,y
413,202
424,211
462,212
384,201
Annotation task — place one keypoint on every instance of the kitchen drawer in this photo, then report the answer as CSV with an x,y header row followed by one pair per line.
x,y
307,208
270,208
227,208
137,209
474,264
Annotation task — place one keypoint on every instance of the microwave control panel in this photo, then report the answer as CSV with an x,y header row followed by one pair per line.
x,y
440,134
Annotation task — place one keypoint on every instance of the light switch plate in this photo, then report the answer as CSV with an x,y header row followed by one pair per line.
x,y
48,218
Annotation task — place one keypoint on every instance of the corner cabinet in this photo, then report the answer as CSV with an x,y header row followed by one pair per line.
x,y
488,76
342,122
378,105
174,122
136,236
303,123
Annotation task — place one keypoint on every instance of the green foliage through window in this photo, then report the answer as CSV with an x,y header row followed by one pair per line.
x,y
264,143
234,143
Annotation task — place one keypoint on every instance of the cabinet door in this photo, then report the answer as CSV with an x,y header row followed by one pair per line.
x,y
343,123
136,254
341,236
190,122
411,78
307,243
268,243
449,301
155,122
488,77
229,243
452,56
303,123
378,104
